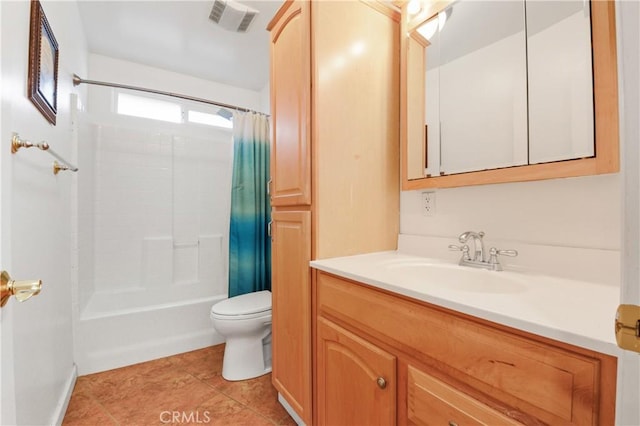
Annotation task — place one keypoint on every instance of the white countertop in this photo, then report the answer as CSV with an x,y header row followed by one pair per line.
x,y
576,312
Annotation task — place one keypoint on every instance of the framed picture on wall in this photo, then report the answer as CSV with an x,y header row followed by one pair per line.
x,y
43,64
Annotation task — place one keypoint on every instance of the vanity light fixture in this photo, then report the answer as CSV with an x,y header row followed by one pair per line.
x,y
429,28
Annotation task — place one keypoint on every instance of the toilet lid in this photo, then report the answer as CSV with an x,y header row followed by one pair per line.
x,y
244,304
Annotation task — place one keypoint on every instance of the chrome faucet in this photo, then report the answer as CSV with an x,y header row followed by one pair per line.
x,y
478,244
478,260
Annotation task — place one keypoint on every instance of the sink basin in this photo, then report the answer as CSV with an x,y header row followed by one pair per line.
x,y
459,278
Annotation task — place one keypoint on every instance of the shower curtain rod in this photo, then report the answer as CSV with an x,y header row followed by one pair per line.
x,y
77,81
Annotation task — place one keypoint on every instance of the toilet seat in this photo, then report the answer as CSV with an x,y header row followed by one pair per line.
x,y
266,314
245,306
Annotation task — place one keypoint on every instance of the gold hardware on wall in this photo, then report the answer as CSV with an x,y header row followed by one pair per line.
x,y
628,327
57,167
22,290
17,143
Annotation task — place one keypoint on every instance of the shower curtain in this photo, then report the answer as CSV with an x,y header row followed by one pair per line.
x,y
249,244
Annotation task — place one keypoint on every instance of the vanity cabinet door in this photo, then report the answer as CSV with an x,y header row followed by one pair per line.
x,y
291,294
356,380
433,402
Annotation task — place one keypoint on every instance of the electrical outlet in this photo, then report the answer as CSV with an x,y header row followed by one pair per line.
x,y
428,203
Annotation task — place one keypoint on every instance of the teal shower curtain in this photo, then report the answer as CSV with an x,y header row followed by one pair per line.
x,y
249,244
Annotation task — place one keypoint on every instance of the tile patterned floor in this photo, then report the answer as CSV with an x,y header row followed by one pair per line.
x,y
182,389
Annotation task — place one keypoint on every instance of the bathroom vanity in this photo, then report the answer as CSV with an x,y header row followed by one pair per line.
x,y
433,353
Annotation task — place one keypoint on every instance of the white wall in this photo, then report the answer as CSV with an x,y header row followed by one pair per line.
x,y
576,212
265,99
555,225
37,338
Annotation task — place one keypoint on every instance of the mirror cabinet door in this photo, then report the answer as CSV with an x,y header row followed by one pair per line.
x,y
560,80
417,48
483,86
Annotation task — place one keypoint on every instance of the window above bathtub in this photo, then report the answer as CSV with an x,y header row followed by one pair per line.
x,y
147,107
173,112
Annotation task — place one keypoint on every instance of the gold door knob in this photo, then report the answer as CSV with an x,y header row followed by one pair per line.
x,y
382,383
22,290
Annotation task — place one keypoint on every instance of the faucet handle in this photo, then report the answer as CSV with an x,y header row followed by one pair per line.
x,y
494,252
464,249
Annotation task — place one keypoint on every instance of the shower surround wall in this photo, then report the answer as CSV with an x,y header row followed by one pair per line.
x,y
162,216
153,209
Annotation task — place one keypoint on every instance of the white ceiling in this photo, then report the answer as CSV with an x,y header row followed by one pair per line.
x,y
178,36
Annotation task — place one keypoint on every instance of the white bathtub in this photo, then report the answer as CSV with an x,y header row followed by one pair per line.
x,y
111,338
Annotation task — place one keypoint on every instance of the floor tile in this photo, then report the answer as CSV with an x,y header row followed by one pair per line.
x,y
85,410
146,400
203,363
182,389
225,411
258,394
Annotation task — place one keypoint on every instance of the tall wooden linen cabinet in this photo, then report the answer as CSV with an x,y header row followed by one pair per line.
x,y
334,160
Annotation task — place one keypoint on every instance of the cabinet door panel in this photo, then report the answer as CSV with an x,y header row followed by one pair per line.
x,y
290,107
356,380
291,327
432,402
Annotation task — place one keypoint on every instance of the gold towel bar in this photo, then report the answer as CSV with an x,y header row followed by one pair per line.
x,y
17,143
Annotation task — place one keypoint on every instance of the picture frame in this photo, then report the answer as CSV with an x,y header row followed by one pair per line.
x,y
43,64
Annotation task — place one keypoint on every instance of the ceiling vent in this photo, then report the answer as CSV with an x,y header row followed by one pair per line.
x,y
232,15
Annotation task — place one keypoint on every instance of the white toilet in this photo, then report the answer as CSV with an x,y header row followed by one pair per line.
x,y
245,322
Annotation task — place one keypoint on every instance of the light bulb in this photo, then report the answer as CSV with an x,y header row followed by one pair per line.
x,y
429,28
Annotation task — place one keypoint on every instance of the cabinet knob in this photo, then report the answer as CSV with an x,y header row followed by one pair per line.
x,y
452,423
382,383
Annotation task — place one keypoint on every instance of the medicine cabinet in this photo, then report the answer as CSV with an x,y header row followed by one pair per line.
x,y
496,91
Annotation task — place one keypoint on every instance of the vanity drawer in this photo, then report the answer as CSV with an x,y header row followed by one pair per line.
x,y
432,402
553,382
